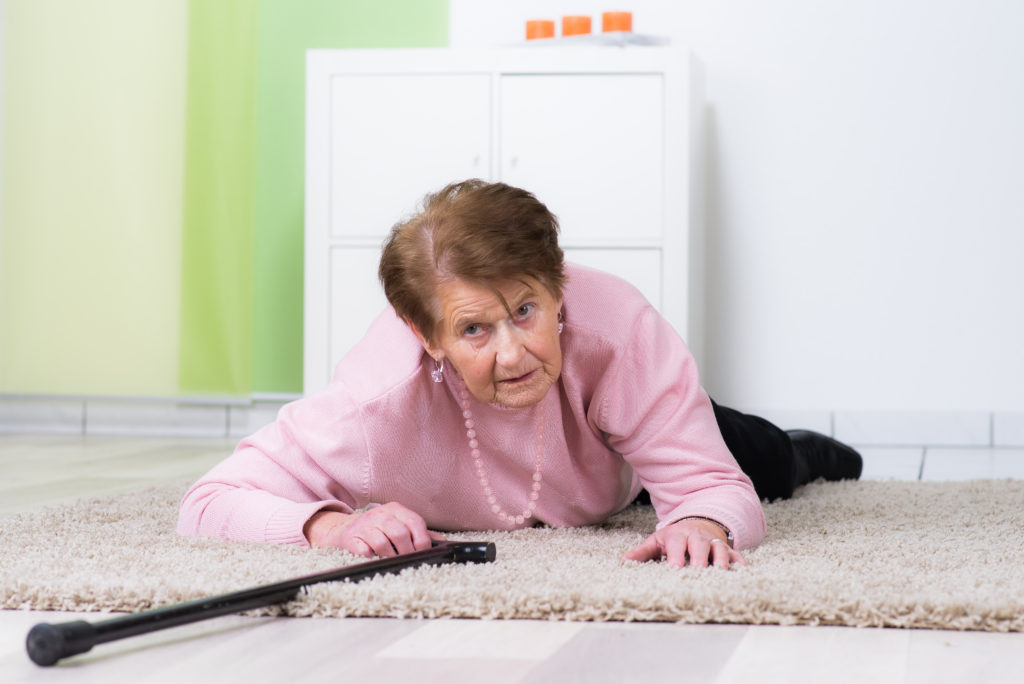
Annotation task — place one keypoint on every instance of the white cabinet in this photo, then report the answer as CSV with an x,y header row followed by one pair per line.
x,y
392,136
602,135
590,146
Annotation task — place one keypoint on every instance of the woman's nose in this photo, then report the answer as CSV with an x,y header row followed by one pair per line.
x,y
510,348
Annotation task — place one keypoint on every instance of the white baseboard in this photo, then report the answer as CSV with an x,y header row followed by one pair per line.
x,y
1008,429
155,419
245,420
45,416
914,428
892,463
149,416
982,429
234,417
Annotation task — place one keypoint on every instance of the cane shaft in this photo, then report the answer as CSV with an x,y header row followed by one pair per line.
x,y
48,643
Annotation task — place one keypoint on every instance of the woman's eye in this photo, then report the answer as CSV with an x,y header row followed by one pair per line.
x,y
471,330
524,310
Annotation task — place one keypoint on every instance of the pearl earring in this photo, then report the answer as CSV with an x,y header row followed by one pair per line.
x,y
437,375
561,325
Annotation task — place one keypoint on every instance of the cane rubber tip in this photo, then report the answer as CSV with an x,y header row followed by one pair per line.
x,y
44,644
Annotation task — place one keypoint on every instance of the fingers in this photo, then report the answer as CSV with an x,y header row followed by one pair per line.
x,y
700,548
386,531
380,542
737,557
649,549
358,547
419,536
720,554
679,550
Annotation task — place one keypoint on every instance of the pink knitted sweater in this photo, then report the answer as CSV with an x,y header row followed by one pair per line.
x,y
627,412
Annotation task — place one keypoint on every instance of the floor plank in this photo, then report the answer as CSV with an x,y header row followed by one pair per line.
x,y
55,469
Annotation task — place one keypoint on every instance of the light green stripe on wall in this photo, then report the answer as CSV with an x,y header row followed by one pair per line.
x,y
91,213
287,28
216,298
126,266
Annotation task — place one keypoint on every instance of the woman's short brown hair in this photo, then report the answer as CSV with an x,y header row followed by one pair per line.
x,y
474,231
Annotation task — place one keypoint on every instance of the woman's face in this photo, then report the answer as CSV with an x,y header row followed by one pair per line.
x,y
506,356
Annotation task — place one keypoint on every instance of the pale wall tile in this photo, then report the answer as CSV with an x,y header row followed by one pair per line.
x,y
45,416
891,463
1008,429
914,428
155,418
245,420
972,464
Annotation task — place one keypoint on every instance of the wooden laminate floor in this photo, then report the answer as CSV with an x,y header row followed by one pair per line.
x,y
41,470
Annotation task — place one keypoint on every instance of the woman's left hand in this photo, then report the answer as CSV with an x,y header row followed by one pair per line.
x,y
696,542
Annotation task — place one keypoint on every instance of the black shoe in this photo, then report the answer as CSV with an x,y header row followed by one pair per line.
x,y
821,456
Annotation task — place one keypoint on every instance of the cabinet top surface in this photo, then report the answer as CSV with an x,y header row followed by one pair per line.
x,y
500,59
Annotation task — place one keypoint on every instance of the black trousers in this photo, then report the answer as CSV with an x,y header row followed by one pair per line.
x,y
763,451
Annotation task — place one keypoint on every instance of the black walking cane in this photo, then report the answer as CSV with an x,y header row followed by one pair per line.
x,y
47,643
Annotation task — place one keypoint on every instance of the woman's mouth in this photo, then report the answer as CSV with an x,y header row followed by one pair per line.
x,y
518,379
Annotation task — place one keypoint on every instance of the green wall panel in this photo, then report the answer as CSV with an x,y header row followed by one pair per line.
x,y
151,229
287,28
216,294
243,263
90,222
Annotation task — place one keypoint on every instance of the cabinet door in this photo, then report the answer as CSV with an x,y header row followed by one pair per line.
x,y
590,147
395,138
356,299
641,267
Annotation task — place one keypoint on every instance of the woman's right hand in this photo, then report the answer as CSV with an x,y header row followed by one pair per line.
x,y
384,531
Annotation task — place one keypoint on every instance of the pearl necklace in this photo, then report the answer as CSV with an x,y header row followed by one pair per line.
x,y
474,452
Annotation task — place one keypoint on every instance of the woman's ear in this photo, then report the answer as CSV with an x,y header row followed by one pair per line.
x,y
430,349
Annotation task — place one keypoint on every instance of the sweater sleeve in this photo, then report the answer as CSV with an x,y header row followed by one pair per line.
x,y
656,414
313,457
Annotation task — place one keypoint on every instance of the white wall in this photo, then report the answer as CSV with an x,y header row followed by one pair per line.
x,y
865,194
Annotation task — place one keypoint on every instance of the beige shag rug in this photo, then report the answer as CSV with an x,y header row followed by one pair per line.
x,y
883,554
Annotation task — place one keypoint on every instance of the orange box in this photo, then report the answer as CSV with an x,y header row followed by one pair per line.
x,y
616,21
575,25
540,28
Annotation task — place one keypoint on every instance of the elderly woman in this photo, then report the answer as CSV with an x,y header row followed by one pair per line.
x,y
504,388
